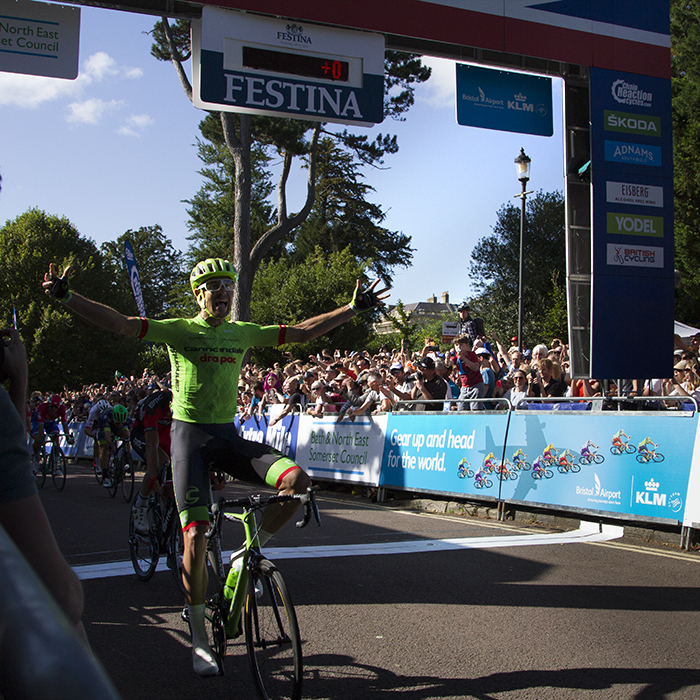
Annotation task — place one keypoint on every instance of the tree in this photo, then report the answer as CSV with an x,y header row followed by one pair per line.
x,y
343,218
291,292
162,274
289,139
685,81
62,348
495,268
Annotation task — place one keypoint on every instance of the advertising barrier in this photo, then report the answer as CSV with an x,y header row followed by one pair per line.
x,y
627,464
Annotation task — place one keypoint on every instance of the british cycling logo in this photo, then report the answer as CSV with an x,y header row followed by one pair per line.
x,y
598,494
629,94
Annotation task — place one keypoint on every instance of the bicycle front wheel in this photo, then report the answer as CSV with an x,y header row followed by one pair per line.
x,y
59,468
40,475
127,478
272,635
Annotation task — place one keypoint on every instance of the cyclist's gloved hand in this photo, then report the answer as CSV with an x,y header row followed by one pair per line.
x,y
56,286
368,298
70,439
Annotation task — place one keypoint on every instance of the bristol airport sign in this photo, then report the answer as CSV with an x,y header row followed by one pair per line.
x,y
283,68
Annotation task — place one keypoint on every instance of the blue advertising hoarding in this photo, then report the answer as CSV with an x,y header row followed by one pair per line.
x,y
651,484
504,101
442,453
632,236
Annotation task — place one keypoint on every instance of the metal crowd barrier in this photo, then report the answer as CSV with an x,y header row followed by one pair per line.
x,y
41,655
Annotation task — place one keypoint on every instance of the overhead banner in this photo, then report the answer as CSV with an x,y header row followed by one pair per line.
x,y
504,101
281,68
39,39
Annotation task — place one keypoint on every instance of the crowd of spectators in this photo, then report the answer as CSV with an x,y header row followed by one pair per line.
x,y
351,383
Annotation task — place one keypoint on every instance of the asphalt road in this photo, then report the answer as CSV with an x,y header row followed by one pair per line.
x,y
388,611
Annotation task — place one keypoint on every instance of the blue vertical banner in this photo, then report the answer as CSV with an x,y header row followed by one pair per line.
x,y
632,237
134,277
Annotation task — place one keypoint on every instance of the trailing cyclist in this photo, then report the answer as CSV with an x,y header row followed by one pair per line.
x,y
45,422
90,428
112,421
205,356
150,439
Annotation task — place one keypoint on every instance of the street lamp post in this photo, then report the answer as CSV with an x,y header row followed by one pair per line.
x,y
522,166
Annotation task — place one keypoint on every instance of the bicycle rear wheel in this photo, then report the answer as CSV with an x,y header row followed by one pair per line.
x,y
127,470
272,636
59,468
144,548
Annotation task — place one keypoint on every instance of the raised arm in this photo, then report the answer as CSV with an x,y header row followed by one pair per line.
x,y
104,316
319,325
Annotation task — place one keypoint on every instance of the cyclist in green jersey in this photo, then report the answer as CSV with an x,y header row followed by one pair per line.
x,y
205,356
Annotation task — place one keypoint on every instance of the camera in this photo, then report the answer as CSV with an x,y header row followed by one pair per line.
x,y
419,375
533,373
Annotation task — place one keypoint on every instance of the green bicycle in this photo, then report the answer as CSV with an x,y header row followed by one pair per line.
x,y
254,600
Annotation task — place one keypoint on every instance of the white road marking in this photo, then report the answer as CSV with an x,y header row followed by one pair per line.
x,y
587,532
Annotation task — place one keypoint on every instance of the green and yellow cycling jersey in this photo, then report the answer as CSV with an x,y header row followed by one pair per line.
x,y
205,362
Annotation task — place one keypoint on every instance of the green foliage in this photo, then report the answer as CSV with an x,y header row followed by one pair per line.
x,y
62,348
495,267
212,210
343,218
685,66
288,293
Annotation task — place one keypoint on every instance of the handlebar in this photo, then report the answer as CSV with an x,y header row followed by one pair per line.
x,y
258,501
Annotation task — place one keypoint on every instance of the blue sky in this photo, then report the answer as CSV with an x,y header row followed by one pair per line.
x,y
114,150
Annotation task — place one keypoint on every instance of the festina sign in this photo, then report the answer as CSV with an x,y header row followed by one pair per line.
x,y
276,67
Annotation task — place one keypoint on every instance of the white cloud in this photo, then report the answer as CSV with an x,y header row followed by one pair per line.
x,y
91,111
99,65
30,91
440,90
135,125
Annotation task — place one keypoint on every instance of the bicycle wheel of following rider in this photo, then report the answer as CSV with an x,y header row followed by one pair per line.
x,y
127,470
59,468
272,635
40,465
112,472
176,547
97,469
143,547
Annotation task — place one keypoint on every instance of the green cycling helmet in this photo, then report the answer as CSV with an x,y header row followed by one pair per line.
x,y
211,267
119,413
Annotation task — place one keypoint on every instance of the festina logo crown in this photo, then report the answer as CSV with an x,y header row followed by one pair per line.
x,y
651,485
295,29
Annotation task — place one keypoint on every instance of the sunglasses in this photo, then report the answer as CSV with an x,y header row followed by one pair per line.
x,y
215,285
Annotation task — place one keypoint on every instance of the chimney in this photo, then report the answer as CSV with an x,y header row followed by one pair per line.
x,y
432,299
445,297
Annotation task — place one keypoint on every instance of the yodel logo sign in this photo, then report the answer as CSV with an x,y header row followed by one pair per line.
x,y
636,225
